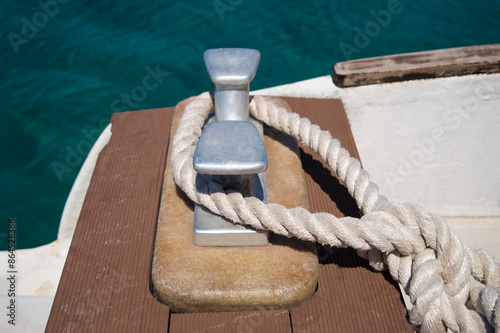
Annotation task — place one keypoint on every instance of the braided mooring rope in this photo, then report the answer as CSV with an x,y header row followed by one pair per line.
x,y
452,286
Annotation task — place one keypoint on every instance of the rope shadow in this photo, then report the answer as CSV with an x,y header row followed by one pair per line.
x,y
330,185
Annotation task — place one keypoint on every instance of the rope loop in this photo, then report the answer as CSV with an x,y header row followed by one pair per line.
x,y
451,286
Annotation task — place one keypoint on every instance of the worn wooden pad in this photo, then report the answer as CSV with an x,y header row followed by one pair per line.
x,y
192,278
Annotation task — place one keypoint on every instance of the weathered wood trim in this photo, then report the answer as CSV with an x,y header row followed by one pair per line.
x,y
481,59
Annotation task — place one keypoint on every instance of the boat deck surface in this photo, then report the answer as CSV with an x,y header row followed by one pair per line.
x,y
106,281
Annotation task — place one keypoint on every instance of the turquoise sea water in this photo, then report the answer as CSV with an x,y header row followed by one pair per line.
x,y
66,66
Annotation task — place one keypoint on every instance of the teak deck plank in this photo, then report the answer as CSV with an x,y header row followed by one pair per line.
x,y
106,281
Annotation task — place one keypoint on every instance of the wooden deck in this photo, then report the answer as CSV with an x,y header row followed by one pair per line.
x,y
106,282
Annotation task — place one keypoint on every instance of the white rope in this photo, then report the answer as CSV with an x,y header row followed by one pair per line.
x,y
451,286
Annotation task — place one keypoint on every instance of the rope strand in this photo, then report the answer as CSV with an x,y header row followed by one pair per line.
x,y
438,272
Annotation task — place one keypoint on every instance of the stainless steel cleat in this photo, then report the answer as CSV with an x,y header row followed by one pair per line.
x,y
231,149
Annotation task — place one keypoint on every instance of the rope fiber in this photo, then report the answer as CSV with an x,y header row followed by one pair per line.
x,y
451,286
